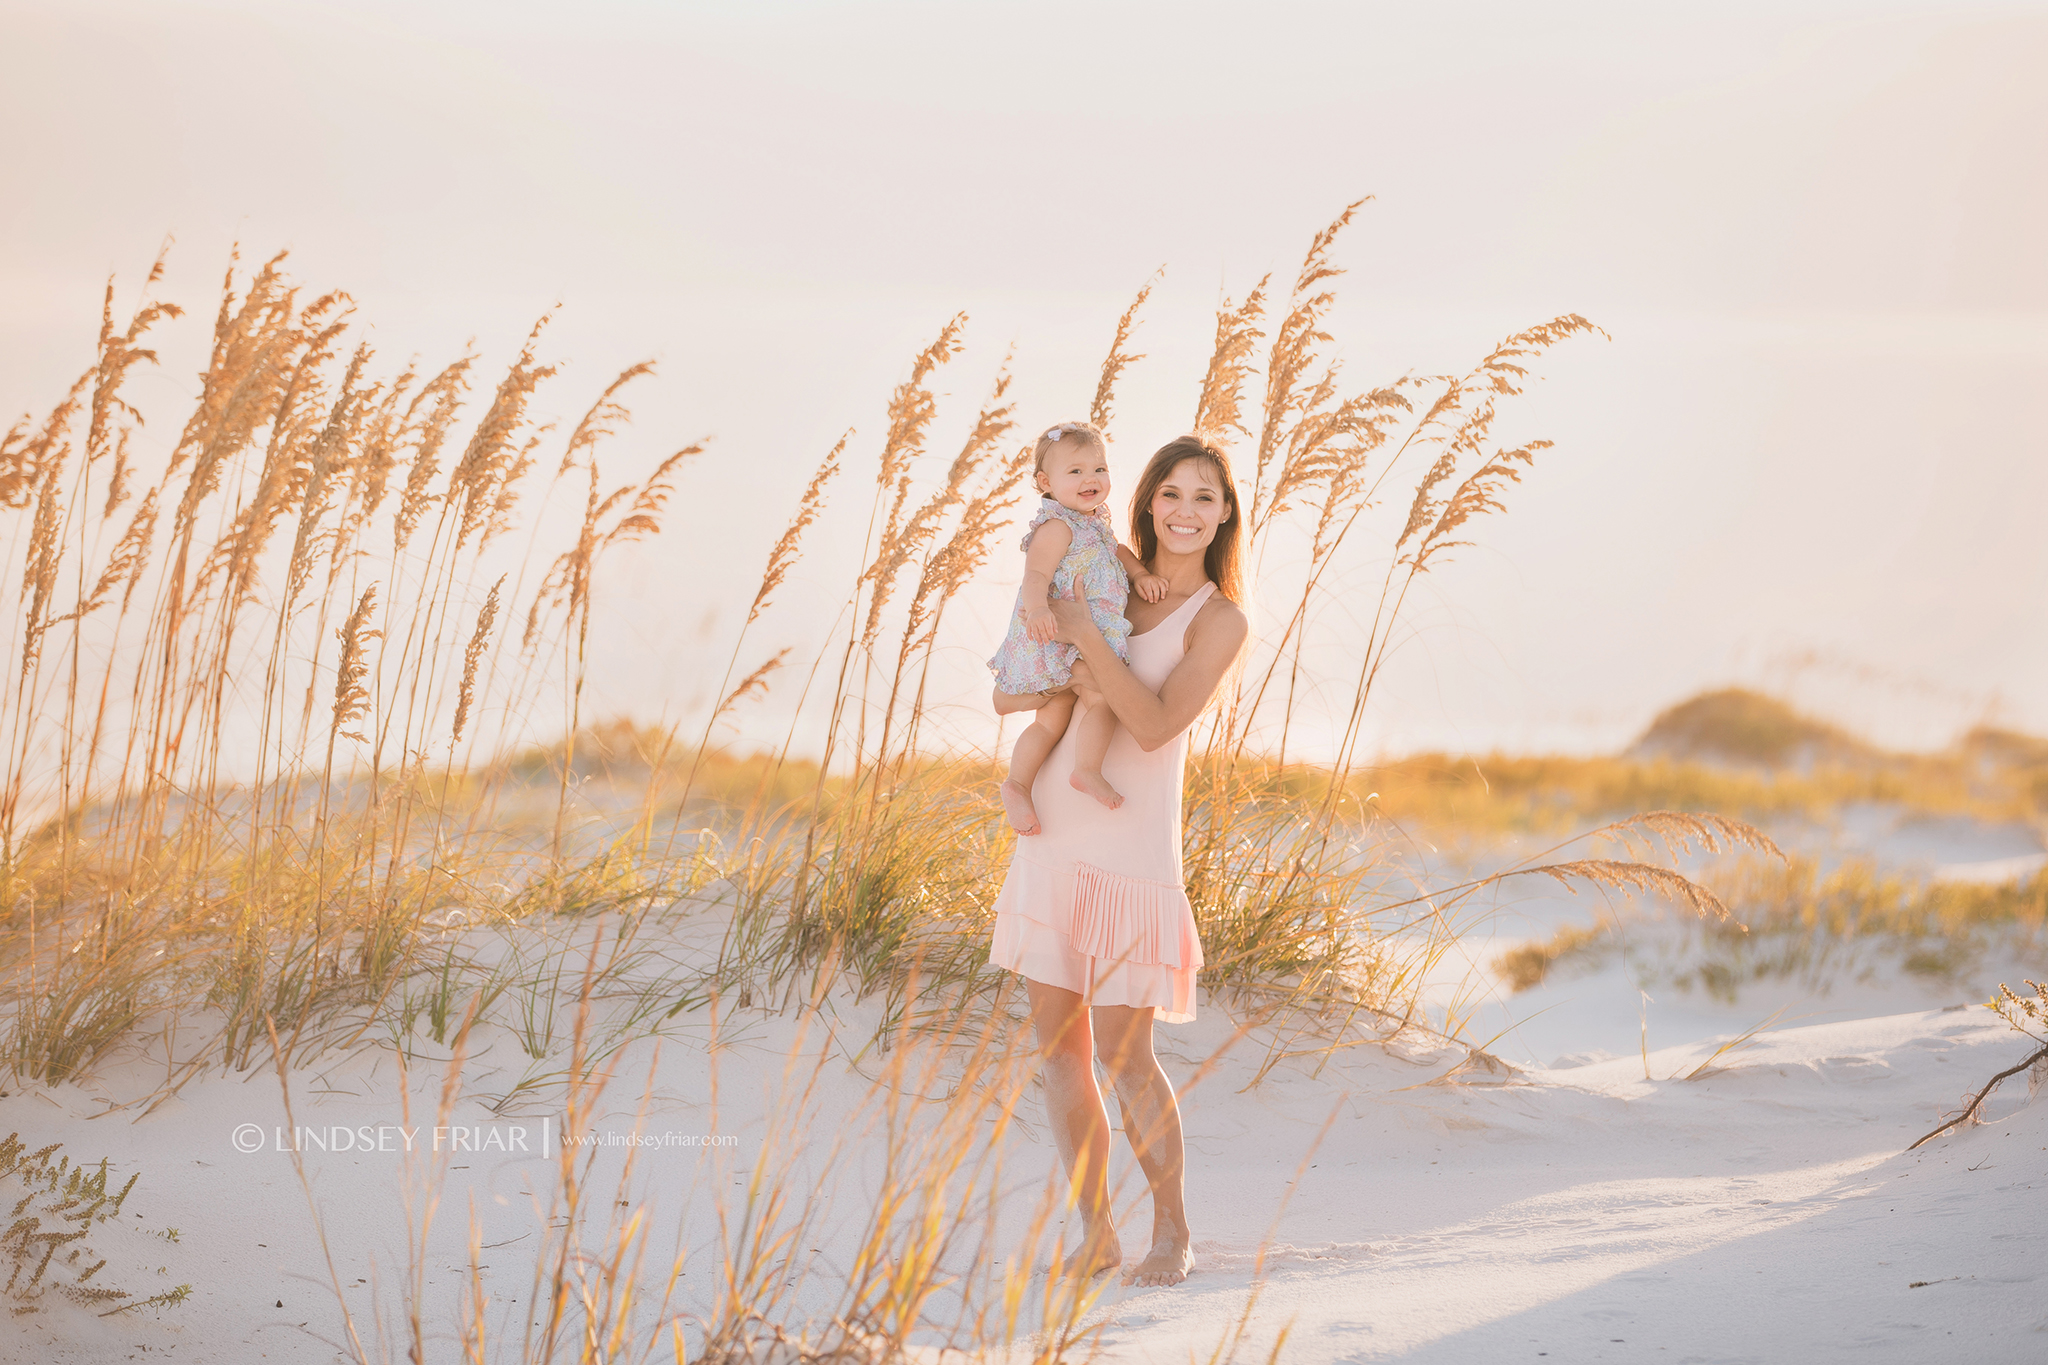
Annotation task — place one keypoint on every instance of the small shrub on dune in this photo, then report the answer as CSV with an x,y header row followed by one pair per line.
x,y
60,1205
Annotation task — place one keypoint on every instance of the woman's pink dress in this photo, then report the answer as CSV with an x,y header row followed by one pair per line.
x,y
1094,902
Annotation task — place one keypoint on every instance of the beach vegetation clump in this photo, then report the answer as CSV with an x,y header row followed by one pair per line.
x,y
2028,1016
1737,725
59,1205
1484,796
1799,920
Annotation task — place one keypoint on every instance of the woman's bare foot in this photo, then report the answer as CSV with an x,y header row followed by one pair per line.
x,y
1097,786
1100,1252
1169,1262
1017,805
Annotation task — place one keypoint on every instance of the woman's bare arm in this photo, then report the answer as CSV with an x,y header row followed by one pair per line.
x,y
1007,703
1217,635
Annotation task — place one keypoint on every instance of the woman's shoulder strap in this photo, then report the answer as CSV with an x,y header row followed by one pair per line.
x,y
1187,610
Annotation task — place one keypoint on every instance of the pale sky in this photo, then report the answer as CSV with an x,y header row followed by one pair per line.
x,y
1814,456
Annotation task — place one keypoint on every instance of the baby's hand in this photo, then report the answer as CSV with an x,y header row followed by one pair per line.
x,y
1150,586
1039,623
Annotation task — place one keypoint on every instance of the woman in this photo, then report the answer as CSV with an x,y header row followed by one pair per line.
x,y
1093,913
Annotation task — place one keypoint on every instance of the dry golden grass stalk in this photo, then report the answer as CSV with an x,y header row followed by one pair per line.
x,y
117,477
1680,830
1221,400
911,409
1293,355
1118,360
428,430
967,549
490,464
1635,876
118,353
754,683
995,421
127,560
655,490
351,698
382,437
603,419
17,465
785,552
326,457
1478,494
241,385
45,554
473,654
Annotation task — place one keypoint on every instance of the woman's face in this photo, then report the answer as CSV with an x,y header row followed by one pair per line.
x,y
1188,507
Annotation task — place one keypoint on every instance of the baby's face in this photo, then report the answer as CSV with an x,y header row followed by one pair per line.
x,y
1075,475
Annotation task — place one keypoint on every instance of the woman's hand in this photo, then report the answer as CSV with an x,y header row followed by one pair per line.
x,y
1009,703
1214,639
1073,620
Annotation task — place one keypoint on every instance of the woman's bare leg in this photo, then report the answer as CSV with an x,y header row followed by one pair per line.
x,y
1028,755
1123,1040
1080,1124
1091,743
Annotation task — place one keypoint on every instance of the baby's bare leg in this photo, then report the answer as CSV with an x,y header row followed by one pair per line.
x,y
1029,755
1091,744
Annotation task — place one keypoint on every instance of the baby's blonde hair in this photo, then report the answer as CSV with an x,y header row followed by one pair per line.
x,y
1085,433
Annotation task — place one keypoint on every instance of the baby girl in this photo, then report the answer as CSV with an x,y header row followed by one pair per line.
x,y
1068,542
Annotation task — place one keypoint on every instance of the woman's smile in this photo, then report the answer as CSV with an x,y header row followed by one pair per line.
x,y
1188,507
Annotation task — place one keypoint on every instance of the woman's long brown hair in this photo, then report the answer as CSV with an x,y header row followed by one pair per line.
x,y
1224,562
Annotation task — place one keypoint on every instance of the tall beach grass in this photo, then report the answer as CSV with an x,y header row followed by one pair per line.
x,y
298,760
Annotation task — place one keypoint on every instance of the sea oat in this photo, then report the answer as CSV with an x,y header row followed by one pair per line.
x,y
1632,876
603,418
911,409
473,655
441,399
118,353
351,698
643,516
1114,364
807,508
1679,830
490,463
127,560
45,553
1221,399
991,425
383,434
326,456
755,682
1292,357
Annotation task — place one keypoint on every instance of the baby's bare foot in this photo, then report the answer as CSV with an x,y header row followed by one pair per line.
x,y
1017,805
1097,786
1168,1262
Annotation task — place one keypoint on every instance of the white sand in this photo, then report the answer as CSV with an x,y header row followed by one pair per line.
x,y
1763,1213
